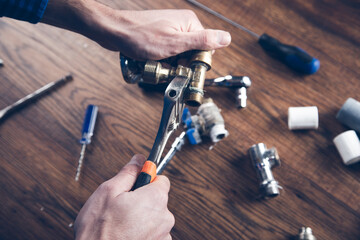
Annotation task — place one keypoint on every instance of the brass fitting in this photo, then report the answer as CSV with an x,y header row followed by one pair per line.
x,y
153,72
200,64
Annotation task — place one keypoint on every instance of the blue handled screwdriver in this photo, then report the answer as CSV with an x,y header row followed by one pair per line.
x,y
86,134
294,57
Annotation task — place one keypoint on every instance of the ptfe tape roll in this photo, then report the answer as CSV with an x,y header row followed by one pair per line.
x,y
349,114
303,118
348,145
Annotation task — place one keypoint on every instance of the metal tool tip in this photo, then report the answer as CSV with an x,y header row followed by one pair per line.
x,y
68,77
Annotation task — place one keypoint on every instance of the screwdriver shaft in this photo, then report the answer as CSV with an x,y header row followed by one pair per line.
x,y
235,24
80,163
175,147
86,134
21,102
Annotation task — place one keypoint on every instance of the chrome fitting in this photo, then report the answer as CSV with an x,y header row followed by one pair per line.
x,y
241,93
239,83
305,233
263,161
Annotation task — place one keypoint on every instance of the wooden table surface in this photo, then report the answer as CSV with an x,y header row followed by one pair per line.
x,y
213,193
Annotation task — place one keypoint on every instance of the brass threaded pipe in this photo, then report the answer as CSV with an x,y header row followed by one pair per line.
x,y
200,64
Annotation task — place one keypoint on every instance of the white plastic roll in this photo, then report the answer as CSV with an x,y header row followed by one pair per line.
x,y
348,145
303,118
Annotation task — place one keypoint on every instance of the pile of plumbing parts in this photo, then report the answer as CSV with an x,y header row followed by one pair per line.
x,y
209,123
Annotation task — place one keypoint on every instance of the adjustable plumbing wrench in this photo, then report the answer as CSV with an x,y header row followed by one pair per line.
x,y
186,87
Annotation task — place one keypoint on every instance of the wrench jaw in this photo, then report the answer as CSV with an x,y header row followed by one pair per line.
x,y
171,115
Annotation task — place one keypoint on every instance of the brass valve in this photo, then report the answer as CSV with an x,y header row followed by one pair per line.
x,y
200,64
154,72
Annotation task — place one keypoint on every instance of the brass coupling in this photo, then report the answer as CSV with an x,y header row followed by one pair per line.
x,y
153,72
199,64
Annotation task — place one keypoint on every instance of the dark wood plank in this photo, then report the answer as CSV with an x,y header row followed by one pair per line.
x,y
213,194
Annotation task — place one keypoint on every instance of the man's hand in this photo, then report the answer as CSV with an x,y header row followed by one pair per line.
x,y
152,34
112,212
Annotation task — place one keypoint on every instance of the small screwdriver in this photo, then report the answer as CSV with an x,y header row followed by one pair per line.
x,y
86,134
175,147
294,57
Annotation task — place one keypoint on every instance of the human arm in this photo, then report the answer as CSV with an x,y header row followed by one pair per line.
x,y
112,212
152,34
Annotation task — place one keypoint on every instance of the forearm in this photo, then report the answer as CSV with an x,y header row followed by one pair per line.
x,y
80,16
152,34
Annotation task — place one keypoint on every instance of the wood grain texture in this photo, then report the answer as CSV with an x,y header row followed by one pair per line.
x,y
213,193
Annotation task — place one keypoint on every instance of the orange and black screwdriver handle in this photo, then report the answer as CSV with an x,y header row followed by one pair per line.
x,y
146,176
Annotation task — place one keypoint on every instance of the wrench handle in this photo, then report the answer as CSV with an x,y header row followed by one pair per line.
x,y
146,176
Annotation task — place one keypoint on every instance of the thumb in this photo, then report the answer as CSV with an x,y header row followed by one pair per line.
x,y
126,178
207,39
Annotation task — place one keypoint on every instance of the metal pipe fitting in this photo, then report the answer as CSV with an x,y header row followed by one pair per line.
x,y
264,160
241,97
229,81
305,233
241,93
239,83
200,64
131,69
151,72
154,72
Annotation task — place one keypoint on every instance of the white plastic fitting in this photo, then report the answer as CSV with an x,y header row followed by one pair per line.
x,y
218,132
348,145
303,118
